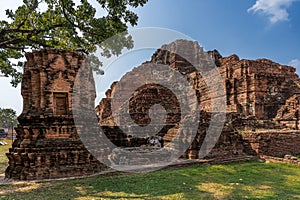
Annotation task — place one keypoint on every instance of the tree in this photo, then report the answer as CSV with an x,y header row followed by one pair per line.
x,y
63,24
8,118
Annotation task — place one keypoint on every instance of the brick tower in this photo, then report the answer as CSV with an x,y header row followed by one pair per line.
x,y
47,144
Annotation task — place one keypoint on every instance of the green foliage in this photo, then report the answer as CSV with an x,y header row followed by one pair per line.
x,y
64,25
8,118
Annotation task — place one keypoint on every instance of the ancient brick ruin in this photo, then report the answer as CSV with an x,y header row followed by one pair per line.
x,y
273,142
259,94
47,144
257,87
253,87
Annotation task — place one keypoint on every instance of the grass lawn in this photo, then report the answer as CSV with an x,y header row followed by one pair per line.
x,y
248,180
3,159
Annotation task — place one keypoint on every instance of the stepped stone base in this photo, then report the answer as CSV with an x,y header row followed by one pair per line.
x,y
52,162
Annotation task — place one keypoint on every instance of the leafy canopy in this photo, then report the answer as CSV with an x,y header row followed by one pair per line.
x,y
8,117
63,24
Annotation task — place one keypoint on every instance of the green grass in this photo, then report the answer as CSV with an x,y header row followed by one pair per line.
x,y
248,180
3,158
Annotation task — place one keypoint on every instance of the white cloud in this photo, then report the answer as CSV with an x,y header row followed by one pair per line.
x,y
295,63
276,10
12,5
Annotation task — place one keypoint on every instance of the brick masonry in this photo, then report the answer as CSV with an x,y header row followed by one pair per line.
x,y
47,144
273,142
259,94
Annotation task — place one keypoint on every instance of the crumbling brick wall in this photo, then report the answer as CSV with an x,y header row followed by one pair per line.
x,y
254,88
273,143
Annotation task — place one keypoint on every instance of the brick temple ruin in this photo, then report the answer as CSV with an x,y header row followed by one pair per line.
x,y
260,95
260,88
47,144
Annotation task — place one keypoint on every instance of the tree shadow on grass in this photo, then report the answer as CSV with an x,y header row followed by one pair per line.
x,y
231,181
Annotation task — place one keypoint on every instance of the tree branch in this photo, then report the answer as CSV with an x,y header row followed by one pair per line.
x,y
6,43
64,9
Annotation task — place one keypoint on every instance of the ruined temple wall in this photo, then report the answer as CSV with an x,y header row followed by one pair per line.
x,y
273,143
254,88
273,87
288,116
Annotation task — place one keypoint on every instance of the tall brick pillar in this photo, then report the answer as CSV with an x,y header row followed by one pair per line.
x,y
47,144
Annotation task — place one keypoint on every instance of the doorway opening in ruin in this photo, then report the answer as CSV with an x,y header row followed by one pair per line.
x,y
271,111
61,103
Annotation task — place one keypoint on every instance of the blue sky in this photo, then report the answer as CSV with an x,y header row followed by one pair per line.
x,y
249,28
229,27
